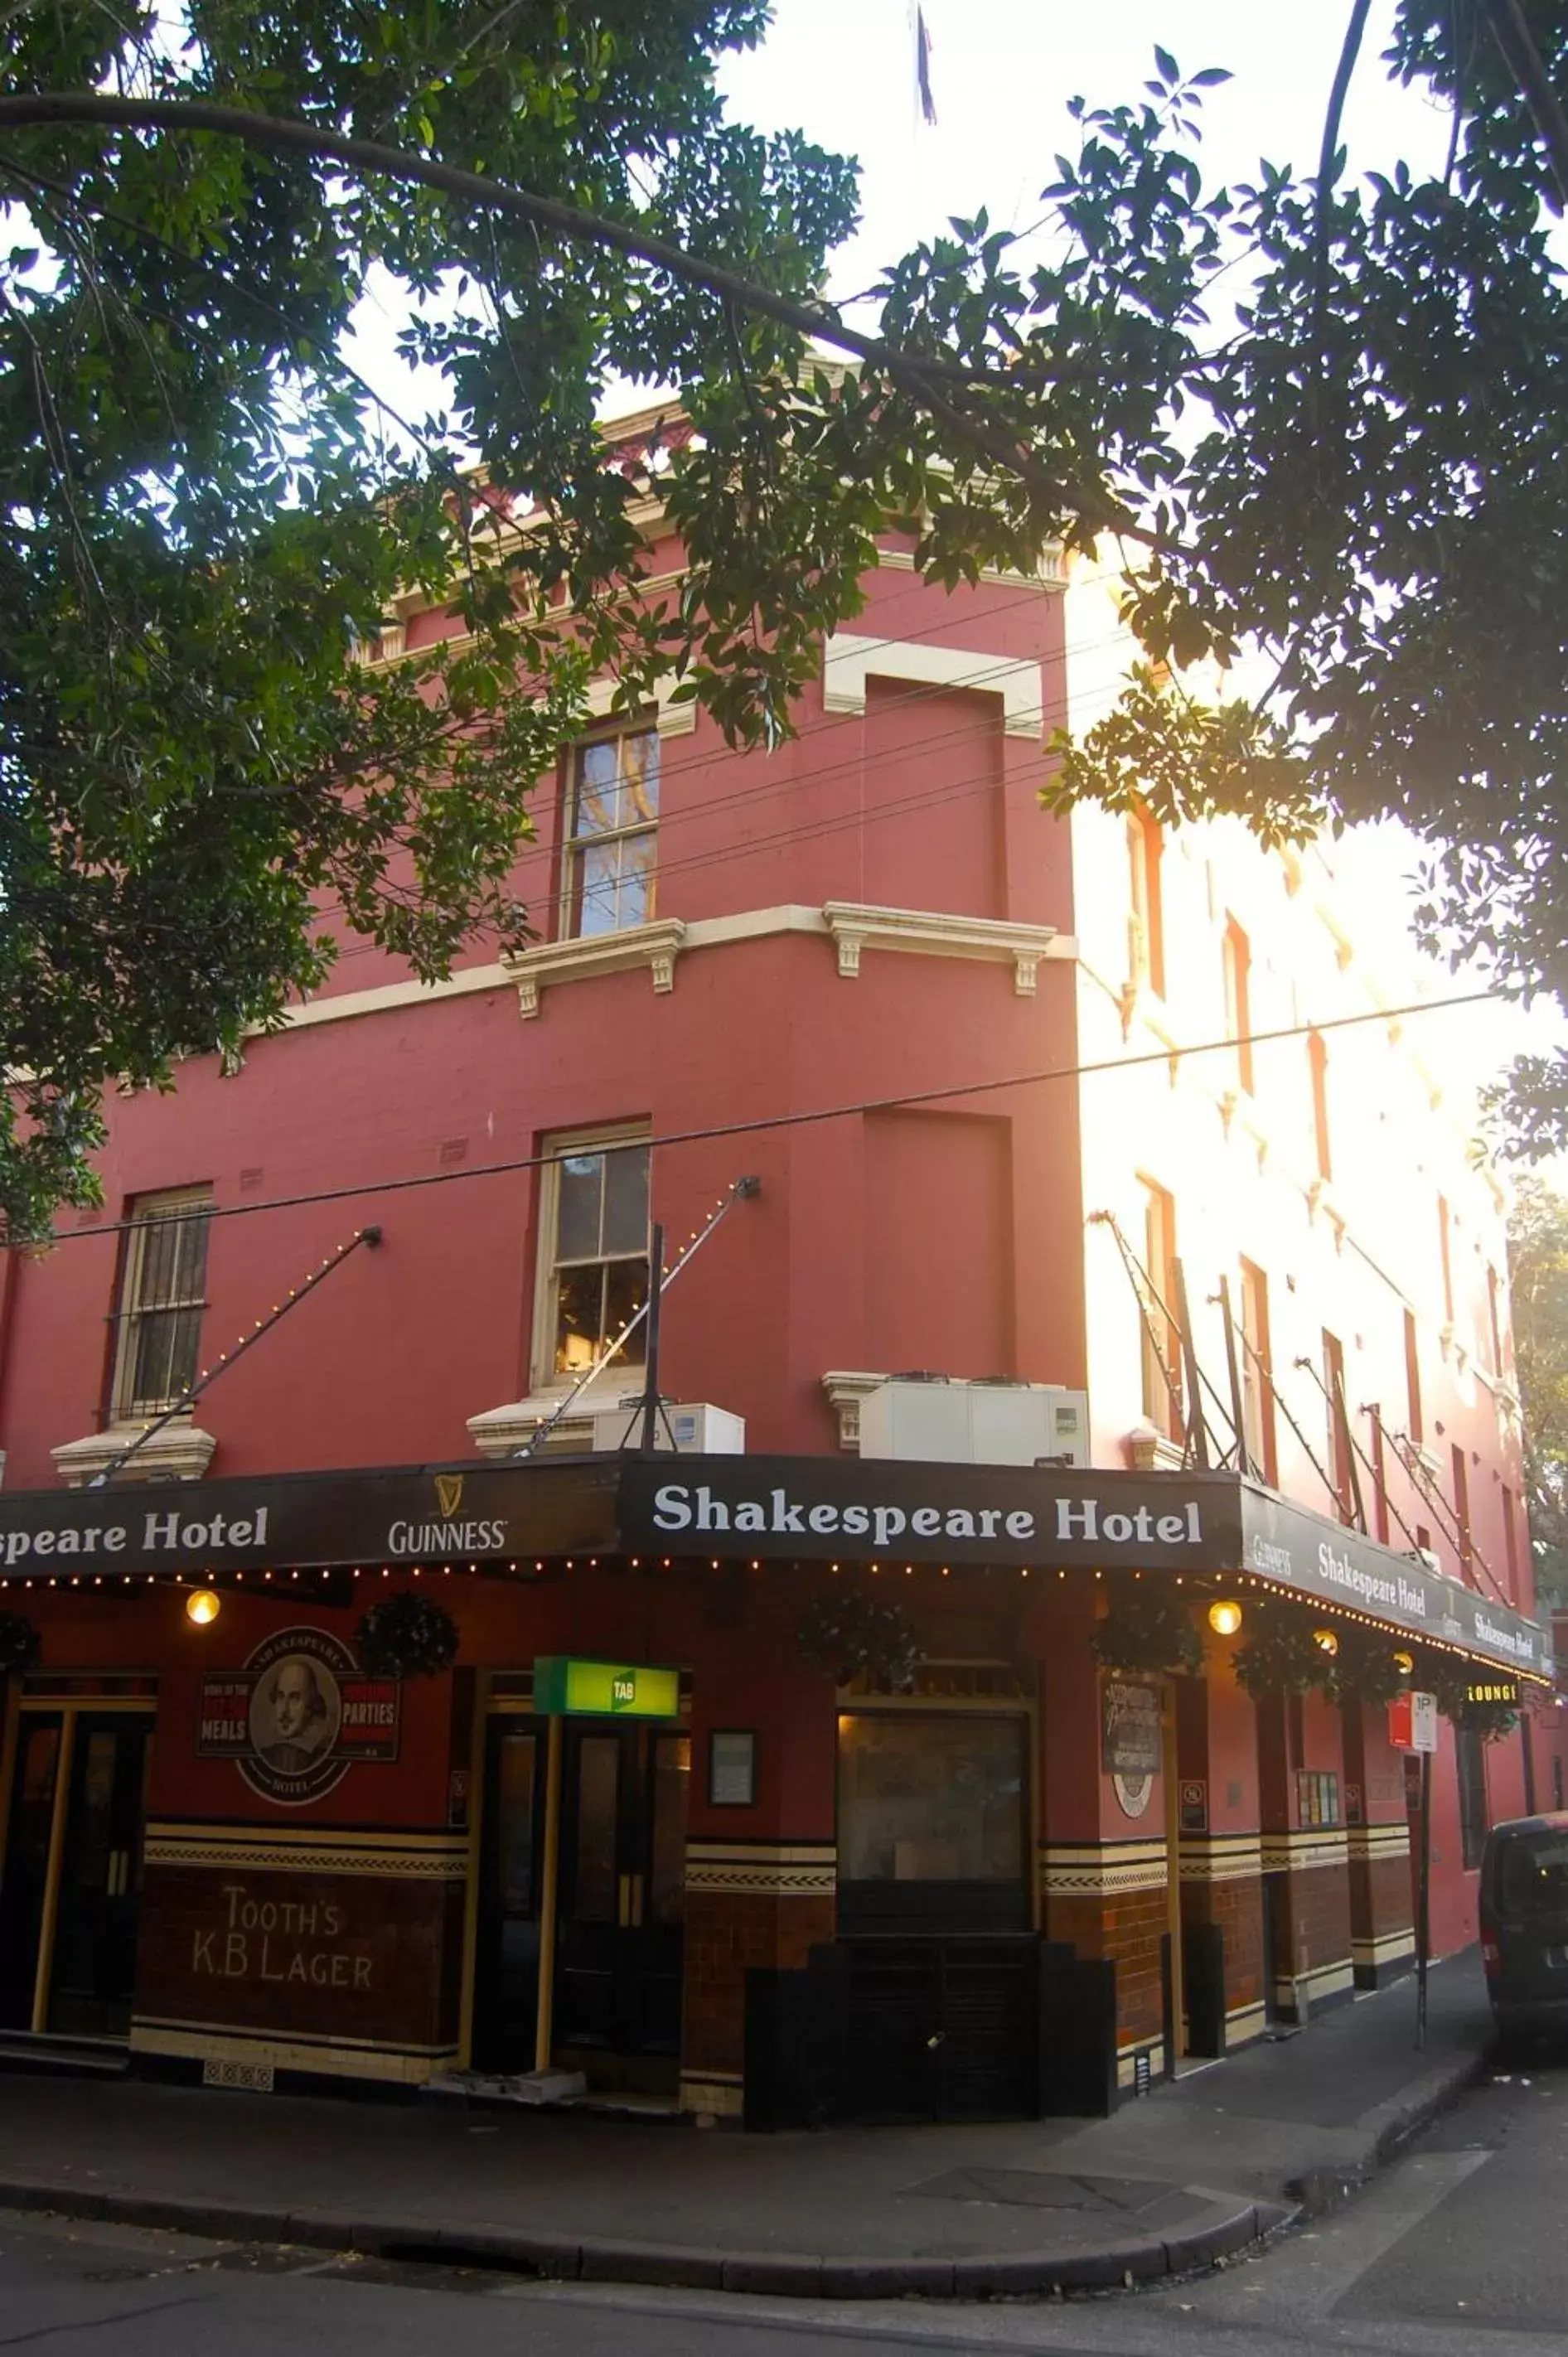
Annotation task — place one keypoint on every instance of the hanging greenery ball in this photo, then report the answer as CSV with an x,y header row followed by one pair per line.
x,y
20,1643
1366,1668
851,1633
1281,1654
1147,1628
406,1636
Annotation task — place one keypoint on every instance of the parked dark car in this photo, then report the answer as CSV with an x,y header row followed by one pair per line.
x,y
1524,1924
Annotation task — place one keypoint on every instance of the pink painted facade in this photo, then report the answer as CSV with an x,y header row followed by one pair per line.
x,y
965,1034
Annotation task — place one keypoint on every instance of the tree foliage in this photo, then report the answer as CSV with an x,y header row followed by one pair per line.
x,y
1321,418
1538,1278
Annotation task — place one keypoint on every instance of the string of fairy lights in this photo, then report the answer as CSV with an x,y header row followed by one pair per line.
x,y
1219,1593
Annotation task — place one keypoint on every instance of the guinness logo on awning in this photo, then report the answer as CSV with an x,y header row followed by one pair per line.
x,y
448,1491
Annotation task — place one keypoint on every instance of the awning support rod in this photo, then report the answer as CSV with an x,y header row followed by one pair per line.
x,y
210,1375
736,1193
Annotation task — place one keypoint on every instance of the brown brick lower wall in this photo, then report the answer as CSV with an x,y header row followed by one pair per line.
x,y
1381,1915
1236,1904
1312,1925
1128,1927
727,1932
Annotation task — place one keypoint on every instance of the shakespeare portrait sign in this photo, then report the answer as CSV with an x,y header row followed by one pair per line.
x,y
298,1715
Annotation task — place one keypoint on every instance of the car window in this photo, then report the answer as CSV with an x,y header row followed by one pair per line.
x,y
1532,1876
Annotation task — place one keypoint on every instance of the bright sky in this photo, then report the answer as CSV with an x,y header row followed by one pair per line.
x,y
1002,72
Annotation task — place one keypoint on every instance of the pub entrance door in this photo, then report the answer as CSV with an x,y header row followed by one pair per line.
x,y
72,1885
620,1906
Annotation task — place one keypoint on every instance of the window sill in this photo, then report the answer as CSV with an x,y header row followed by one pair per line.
x,y
583,958
180,1452
1150,1452
499,1432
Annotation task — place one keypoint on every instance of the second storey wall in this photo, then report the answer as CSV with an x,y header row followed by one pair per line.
x,y
883,1238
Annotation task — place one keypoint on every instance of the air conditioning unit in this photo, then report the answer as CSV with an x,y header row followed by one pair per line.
x,y
700,1430
935,1421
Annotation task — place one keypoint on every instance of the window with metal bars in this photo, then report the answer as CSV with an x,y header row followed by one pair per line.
x,y
162,1280
612,847
1470,1765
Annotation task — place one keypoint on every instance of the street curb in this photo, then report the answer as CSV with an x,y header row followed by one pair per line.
x,y
1387,2127
597,2259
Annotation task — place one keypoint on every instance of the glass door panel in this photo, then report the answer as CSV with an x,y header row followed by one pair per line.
x,y
27,1863
94,1967
505,1992
595,1897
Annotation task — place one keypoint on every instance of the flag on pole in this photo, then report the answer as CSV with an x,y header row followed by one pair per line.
x,y
923,67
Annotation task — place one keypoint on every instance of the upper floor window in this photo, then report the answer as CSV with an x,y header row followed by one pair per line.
x,y
1415,1427
1510,1545
612,832
1462,1508
593,1252
1257,1375
1163,1402
163,1278
1239,1000
1446,1256
1339,1464
1146,851
1317,1063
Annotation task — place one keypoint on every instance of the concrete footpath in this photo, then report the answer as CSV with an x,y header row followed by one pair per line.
x,y
1193,2172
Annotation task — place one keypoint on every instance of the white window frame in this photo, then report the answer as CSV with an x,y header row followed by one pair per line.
x,y
576,846
131,1312
546,1302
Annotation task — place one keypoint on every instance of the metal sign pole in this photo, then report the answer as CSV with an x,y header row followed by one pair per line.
x,y
1423,1902
655,1298
549,1880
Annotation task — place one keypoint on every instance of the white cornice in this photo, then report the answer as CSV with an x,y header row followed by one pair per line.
x,y
1051,577
585,958
342,1006
929,932
846,1388
670,719
848,661
658,945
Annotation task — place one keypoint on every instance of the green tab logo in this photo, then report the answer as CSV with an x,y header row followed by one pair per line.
x,y
623,1690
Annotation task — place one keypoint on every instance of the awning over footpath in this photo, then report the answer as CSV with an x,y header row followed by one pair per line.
x,y
519,1516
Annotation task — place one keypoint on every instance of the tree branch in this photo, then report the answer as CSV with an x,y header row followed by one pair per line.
x,y
1349,51
1511,32
279,135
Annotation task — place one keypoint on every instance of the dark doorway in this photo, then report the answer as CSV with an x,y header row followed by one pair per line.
x,y
73,1886
621,1901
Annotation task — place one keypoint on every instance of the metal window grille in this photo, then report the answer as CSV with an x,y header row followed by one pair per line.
x,y
1469,1761
599,1262
612,834
162,1295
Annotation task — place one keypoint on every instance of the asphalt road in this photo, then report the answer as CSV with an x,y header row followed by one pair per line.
x,y
1459,2251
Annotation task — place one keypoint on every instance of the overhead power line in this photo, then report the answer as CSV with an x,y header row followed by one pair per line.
x,y
813,1115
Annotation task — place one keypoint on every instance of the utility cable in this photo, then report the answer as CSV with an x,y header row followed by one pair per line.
x,y
809,1116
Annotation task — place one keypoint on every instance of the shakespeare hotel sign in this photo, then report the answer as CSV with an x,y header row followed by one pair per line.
x,y
805,1507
